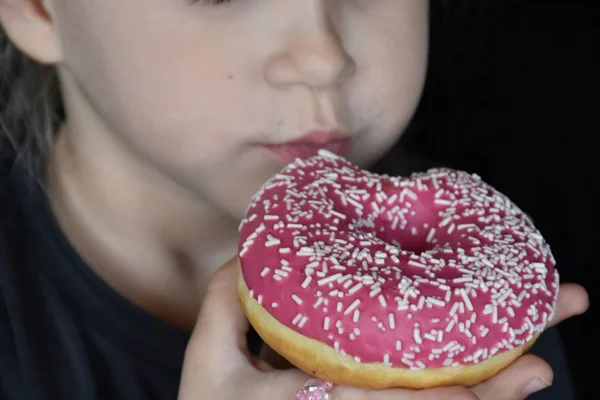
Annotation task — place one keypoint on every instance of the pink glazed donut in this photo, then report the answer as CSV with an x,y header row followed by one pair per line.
x,y
376,282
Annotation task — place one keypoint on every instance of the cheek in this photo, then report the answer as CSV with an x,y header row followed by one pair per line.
x,y
164,90
390,81
391,56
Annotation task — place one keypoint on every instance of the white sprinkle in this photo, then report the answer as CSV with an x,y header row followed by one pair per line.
x,y
281,273
407,361
417,335
495,314
465,226
329,279
355,288
306,281
337,214
328,154
272,242
303,321
352,307
436,302
297,299
392,321
442,202
430,235
318,302
326,324
448,346
454,309
265,271
416,264
296,319
467,300
463,279
505,296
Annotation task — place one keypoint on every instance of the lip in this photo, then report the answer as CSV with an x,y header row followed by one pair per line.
x,y
335,141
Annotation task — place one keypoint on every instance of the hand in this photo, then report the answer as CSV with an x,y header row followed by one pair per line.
x,y
218,365
525,376
513,382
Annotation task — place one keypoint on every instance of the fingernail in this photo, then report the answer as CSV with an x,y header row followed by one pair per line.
x,y
536,385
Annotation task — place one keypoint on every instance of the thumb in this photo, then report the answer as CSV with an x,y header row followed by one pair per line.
x,y
573,300
525,376
219,337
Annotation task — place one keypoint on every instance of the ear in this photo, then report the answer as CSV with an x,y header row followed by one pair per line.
x,y
30,26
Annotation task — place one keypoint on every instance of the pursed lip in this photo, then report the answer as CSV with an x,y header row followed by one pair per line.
x,y
336,141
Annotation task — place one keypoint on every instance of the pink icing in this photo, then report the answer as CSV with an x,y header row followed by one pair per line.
x,y
438,269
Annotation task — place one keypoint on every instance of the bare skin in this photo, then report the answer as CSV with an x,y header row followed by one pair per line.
x,y
159,155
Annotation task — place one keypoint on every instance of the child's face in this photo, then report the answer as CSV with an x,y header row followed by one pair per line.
x,y
195,90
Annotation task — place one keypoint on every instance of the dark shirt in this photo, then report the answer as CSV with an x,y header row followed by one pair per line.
x,y
65,334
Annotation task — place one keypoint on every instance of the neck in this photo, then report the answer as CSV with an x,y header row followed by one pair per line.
x,y
153,241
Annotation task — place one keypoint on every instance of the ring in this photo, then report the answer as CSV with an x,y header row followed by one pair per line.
x,y
315,389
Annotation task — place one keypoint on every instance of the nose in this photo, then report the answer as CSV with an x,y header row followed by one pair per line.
x,y
313,57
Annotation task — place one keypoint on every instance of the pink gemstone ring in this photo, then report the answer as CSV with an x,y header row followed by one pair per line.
x,y
315,389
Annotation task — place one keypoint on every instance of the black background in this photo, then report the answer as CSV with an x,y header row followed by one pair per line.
x,y
512,95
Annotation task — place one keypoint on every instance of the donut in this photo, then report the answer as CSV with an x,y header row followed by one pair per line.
x,y
372,281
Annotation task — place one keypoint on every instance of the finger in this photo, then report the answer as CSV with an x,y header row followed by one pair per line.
x,y
445,393
285,384
282,384
288,382
454,393
219,337
527,375
572,300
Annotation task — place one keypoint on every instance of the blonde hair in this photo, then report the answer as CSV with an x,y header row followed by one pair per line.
x,y
31,106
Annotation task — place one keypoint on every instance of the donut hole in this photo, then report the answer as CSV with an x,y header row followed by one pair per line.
x,y
405,241
416,244
412,232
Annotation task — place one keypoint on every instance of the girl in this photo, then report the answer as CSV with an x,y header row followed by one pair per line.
x,y
140,130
